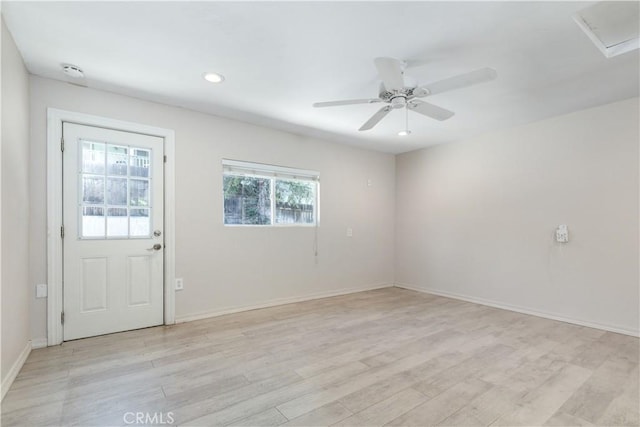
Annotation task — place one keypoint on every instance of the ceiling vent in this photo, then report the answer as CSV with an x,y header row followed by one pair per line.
x,y
613,26
72,71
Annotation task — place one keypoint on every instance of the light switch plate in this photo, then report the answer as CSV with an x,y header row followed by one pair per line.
x,y
562,234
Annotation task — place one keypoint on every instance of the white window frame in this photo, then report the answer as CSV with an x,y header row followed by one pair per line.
x,y
273,172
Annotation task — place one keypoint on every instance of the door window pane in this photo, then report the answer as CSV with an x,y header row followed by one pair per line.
x,y
115,191
139,192
117,222
139,222
140,162
92,221
93,190
117,160
92,157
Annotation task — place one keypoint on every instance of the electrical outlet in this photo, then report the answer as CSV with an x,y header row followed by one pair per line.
x,y
41,290
179,284
349,232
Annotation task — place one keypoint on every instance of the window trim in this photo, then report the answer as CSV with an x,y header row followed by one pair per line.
x,y
273,172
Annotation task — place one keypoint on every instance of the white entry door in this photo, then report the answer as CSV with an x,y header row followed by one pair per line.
x,y
113,231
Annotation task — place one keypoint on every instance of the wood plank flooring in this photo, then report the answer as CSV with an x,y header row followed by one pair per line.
x,y
384,357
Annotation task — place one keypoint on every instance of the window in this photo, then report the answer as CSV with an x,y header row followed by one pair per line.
x,y
257,194
115,189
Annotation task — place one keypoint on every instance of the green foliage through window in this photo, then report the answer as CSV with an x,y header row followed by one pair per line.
x,y
294,201
247,200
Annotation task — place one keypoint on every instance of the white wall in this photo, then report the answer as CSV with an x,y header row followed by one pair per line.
x,y
15,210
226,267
475,219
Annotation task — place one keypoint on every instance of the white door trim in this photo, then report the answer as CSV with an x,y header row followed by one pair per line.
x,y
55,118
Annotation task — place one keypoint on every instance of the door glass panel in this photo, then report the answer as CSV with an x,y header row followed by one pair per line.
x,y
140,162
139,192
113,180
92,157
117,222
93,190
92,221
117,191
140,223
117,160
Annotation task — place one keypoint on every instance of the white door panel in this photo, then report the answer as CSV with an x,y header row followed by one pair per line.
x,y
112,205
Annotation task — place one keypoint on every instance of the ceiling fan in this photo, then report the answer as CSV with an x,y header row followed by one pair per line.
x,y
397,94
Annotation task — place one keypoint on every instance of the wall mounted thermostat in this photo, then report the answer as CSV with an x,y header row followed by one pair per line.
x,y
562,234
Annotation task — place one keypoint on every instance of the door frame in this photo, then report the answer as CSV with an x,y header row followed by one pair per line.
x,y
55,119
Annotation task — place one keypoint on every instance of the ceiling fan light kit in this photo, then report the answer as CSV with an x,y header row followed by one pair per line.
x,y
395,93
405,131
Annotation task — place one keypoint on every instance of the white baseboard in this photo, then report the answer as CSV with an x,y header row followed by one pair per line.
x,y
524,310
15,369
274,302
39,343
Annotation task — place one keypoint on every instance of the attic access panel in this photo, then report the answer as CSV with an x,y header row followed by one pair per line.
x,y
613,26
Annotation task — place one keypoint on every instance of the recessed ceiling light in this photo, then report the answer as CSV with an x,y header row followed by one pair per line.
x,y
404,132
213,77
72,71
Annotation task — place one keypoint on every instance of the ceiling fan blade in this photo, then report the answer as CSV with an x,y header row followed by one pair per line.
x,y
376,118
430,110
474,77
390,71
415,63
346,102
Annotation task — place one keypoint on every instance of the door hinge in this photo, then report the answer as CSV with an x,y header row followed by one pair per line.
x,y
62,144
62,317
165,158
62,231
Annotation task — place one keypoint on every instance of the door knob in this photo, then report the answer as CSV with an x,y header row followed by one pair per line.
x,y
155,247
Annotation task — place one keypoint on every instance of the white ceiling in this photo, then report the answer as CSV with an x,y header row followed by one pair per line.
x,y
280,57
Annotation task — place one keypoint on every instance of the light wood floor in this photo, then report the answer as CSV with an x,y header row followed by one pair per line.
x,y
384,357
